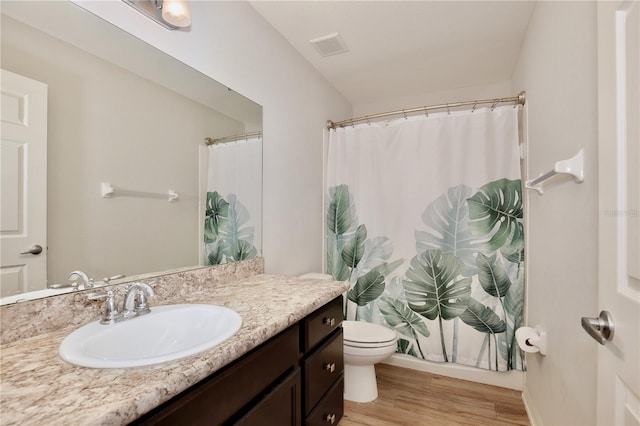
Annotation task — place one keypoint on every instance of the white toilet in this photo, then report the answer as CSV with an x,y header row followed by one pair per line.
x,y
365,344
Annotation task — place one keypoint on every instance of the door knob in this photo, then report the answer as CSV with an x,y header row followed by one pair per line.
x,y
601,328
33,250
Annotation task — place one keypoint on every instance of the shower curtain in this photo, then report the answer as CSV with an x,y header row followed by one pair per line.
x,y
233,204
425,219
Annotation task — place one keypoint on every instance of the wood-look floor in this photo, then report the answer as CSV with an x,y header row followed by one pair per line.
x,y
414,398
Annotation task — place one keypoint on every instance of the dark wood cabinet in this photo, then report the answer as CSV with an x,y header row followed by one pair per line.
x,y
280,407
321,370
330,408
321,323
292,379
323,364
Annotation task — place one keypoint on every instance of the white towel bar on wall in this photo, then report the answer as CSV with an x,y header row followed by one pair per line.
x,y
574,166
108,191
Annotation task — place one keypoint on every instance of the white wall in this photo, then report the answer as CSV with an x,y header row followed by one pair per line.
x,y
232,43
557,68
489,91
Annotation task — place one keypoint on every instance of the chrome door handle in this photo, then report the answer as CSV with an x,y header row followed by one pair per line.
x,y
33,250
601,328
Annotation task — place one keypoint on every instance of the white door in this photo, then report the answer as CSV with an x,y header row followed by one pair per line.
x,y
619,193
23,184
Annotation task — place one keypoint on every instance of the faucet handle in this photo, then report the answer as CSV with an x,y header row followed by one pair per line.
x,y
135,300
142,307
110,313
106,280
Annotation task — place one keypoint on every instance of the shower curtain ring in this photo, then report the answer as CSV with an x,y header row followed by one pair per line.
x,y
426,112
405,114
495,102
448,110
367,118
475,104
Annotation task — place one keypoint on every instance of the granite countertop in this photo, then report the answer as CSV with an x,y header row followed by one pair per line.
x,y
38,387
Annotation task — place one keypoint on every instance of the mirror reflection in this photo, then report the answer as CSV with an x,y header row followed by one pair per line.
x,y
130,185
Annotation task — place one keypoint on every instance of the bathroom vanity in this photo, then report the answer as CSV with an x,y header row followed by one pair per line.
x,y
284,366
294,378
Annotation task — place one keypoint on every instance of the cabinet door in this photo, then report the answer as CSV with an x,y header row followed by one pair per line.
x,y
321,369
330,409
280,407
321,323
220,397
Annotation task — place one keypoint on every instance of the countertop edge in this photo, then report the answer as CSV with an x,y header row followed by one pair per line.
x,y
154,385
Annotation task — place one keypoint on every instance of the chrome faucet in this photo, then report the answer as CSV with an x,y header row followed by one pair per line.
x,y
137,292
86,281
110,313
135,303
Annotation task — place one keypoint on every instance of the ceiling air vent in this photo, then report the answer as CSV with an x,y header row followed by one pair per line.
x,y
328,45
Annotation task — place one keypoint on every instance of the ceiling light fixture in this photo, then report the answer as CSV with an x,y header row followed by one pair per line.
x,y
171,14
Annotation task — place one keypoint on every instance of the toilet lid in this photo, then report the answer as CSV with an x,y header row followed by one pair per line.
x,y
358,332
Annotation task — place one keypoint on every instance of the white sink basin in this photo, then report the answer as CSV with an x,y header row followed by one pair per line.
x,y
167,333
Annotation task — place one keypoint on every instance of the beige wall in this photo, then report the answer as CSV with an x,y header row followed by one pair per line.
x,y
108,125
557,68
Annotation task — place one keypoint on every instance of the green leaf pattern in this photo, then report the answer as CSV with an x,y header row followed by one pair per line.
x,y
226,238
468,269
447,221
216,213
352,256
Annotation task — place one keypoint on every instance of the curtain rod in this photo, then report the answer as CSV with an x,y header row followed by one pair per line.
x,y
212,141
520,99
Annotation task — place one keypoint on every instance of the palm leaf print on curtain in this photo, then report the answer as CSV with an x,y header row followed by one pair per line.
x,y
225,237
479,238
233,202
442,197
353,256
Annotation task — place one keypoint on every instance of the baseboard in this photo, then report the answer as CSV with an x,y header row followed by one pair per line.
x,y
506,379
532,413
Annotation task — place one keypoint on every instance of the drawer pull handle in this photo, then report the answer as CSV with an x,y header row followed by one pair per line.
x,y
329,321
330,367
330,418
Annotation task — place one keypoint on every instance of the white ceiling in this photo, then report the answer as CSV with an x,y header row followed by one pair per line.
x,y
401,48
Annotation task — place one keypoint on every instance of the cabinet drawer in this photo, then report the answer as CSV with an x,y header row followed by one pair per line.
x,y
330,409
322,322
280,407
217,398
322,369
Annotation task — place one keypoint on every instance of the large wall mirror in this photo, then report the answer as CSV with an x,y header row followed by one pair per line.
x,y
125,124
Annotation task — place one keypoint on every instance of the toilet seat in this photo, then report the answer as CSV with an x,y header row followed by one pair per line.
x,y
360,334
